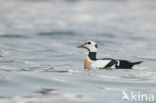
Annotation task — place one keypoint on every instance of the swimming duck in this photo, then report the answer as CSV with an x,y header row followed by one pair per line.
x,y
106,63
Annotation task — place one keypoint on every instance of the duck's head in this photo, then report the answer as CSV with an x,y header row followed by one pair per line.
x,y
91,46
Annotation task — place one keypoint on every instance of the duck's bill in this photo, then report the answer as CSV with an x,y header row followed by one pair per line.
x,y
81,46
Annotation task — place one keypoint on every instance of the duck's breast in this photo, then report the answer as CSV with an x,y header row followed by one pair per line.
x,y
87,63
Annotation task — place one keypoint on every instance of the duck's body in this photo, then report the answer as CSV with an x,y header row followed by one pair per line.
x,y
106,63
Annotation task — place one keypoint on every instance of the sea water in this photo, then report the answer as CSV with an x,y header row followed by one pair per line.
x,y
40,61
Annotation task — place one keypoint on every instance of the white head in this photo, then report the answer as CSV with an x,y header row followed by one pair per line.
x,y
91,46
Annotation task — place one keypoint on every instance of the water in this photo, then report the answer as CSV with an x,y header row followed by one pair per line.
x,y
39,61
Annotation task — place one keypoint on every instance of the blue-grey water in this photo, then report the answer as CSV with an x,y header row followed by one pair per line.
x,y
39,61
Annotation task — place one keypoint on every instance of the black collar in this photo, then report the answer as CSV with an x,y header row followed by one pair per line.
x,y
92,55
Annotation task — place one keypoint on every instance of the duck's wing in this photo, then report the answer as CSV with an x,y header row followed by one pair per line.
x,y
107,63
115,63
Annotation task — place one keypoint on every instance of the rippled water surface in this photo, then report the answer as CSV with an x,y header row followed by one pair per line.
x,y
39,61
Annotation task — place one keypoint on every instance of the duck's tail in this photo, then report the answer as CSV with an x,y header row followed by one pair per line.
x,y
124,64
136,63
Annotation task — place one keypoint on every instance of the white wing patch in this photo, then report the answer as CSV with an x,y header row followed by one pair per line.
x,y
99,63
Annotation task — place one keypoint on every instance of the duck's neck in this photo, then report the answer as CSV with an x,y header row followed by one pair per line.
x,y
92,55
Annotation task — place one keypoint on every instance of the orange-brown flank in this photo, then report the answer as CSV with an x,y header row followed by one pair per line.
x,y
87,64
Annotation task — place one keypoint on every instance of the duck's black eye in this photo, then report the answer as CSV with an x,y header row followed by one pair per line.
x,y
89,43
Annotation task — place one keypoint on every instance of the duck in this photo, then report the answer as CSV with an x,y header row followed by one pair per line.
x,y
91,62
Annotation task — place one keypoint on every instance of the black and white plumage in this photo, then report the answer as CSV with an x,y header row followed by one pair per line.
x,y
106,63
